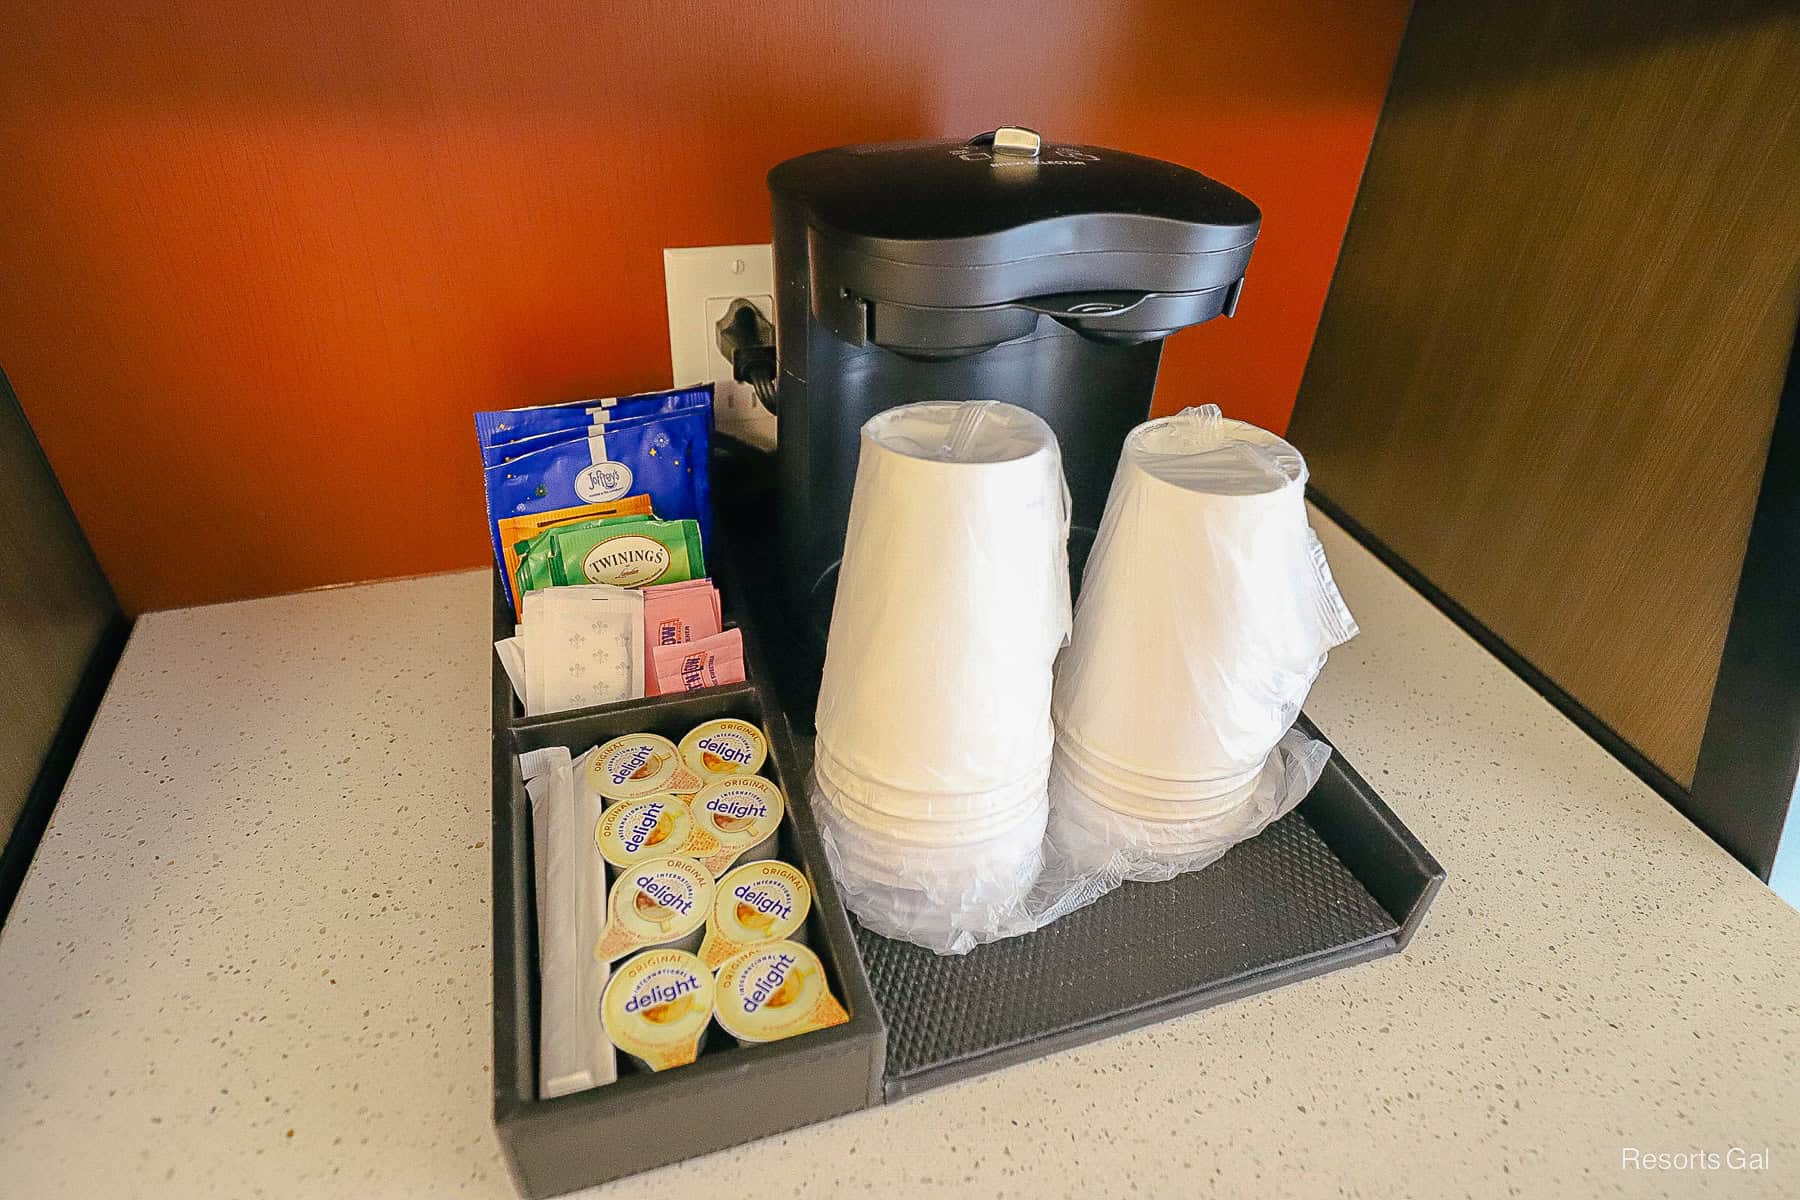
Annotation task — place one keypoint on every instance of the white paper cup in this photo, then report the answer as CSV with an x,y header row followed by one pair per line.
x,y
963,817
952,602
1206,608
983,870
1192,796
1093,836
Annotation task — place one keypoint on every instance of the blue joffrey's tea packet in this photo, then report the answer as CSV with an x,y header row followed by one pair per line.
x,y
664,457
505,432
493,456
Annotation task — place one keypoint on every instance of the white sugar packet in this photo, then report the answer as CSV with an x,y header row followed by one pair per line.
x,y
591,647
576,646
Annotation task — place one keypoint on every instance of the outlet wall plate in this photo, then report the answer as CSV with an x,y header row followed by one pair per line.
x,y
701,282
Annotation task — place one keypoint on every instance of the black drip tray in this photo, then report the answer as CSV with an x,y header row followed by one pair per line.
x,y
1338,881
1275,901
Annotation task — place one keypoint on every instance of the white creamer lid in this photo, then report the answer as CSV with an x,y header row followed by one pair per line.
x,y
738,812
774,991
638,765
652,903
657,1005
636,831
726,746
757,902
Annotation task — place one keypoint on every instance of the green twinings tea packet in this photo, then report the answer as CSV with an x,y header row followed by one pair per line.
x,y
533,571
626,552
536,555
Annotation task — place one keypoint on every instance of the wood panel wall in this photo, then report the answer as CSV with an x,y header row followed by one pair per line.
x,y
1549,363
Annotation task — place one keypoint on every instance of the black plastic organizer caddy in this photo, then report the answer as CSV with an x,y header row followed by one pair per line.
x,y
1338,881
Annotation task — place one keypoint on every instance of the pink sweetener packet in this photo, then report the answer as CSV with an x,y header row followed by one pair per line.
x,y
684,585
708,662
673,618
695,585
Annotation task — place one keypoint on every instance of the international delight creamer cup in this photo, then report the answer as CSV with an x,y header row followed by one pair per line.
x,y
658,1006
757,902
725,747
775,991
660,903
639,765
741,814
636,831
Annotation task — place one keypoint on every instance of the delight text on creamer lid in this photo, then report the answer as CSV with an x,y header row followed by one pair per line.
x,y
635,831
740,812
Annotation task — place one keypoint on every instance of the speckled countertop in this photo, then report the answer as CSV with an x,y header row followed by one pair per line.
x,y
252,959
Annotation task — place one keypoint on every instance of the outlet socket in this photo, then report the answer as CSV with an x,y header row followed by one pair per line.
x,y
701,282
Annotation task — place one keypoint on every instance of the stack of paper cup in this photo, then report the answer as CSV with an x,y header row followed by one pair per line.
x,y
1206,613
934,732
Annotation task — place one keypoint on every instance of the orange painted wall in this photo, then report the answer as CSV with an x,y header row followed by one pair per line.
x,y
259,262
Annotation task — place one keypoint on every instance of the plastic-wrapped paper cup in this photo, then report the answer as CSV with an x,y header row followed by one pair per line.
x,y
1090,836
952,602
912,835
1206,608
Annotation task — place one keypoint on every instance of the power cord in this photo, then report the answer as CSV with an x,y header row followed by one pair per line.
x,y
748,340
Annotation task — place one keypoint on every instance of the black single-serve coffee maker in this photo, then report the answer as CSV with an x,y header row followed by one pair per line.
x,y
1000,268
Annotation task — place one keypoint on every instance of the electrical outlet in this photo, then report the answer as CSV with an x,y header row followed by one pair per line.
x,y
701,282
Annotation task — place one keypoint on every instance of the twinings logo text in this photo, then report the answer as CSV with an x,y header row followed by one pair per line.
x,y
627,559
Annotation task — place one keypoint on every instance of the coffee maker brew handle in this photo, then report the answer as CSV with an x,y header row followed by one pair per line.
x,y
1112,316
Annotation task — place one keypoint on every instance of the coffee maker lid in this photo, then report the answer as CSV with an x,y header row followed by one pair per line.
x,y
1006,215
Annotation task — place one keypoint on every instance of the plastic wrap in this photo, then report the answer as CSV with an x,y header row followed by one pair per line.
x,y
1092,839
1085,851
